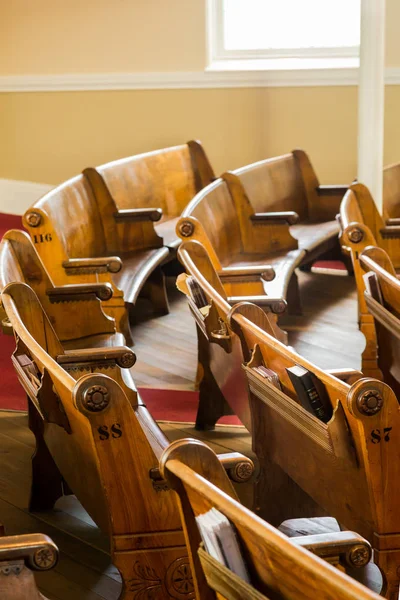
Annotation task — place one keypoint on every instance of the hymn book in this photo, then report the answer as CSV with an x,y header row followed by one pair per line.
x,y
221,543
310,392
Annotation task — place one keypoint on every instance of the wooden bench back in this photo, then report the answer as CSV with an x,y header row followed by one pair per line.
x,y
105,455
166,179
384,305
279,569
217,223
391,191
67,222
275,184
72,317
363,226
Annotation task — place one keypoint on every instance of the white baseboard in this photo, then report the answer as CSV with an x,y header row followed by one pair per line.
x,y
17,196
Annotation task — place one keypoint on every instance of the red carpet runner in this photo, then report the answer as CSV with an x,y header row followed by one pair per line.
x,y
164,405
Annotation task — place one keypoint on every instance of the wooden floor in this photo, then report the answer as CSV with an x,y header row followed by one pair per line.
x,y
166,346
166,351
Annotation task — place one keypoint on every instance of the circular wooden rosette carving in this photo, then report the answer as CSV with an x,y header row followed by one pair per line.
x,y
359,556
45,558
33,219
96,398
127,360
179,580
355,235
370,402
186,229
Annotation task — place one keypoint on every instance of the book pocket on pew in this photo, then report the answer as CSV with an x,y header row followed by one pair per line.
x,y
224,581
293,423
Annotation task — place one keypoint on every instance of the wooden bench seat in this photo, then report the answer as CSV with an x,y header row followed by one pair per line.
x,y
279,567
166,229
75,310
96,439
311,236
289,183
164,179
363,226
334,465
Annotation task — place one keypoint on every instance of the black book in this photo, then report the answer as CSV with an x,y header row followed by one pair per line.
x,y
311,392
196,293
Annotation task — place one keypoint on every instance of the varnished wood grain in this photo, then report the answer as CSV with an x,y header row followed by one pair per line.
x,y
279,568
234,219
85,571
307,467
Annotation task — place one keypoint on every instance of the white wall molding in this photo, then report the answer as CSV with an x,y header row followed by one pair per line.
x,y
186,80
17,196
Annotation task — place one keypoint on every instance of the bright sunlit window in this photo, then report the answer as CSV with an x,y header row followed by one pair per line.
x,y
272,29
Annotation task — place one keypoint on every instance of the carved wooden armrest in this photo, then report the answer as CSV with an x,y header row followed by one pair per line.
x,y
121,355
276,305
80,291
287,217
130,215
75,266
395,221
38,550
339,546
332,190
238,467
350,376
265,272
392,231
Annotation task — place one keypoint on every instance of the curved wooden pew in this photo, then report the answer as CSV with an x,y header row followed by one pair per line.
x,y
245,254
20,556
81,240
391,194
164,180
74,309
382,297
96,439
252,217
362,226
279,567
309,466
278,187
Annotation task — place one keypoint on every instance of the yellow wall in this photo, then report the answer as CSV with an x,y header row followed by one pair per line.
x,y
48,137
106,36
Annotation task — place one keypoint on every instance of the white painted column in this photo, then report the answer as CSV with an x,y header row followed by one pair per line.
x,y
371,96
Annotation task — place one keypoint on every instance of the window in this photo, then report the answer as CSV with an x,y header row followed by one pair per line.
x,y
269,30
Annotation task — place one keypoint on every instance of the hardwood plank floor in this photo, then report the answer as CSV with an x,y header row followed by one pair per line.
x,y
166,352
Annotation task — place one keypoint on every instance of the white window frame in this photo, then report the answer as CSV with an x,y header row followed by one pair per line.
x,y
218,57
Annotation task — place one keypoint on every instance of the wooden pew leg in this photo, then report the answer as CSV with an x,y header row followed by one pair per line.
x,y
293,296
388,562
212,404
47,482
158,292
